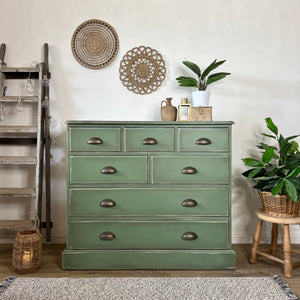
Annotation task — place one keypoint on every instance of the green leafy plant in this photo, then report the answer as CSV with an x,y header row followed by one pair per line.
x,y
202,80
279,167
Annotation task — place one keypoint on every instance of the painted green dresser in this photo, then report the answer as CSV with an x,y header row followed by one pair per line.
x,y
149,195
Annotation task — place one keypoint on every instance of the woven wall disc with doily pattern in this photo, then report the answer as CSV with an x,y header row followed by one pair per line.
x,y
142,70
95,44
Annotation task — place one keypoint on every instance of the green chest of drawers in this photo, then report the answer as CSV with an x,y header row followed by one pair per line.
x,y
149,195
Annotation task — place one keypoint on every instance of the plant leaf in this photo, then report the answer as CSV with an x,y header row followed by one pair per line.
x,y
294,173
254,172
277,189
267,156
292,162
211,67
292,137
295,181
294,147
291,190
268,135
271,126
250,162
192,66
266,178
215,77
266,185
187,81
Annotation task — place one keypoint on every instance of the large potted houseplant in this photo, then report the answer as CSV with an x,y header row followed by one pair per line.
x,y
203,79
276,173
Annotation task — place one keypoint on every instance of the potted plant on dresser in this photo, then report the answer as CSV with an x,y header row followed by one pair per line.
x,y
276,173
201,96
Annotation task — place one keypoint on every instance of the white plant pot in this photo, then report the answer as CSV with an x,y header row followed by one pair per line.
x,y
200,98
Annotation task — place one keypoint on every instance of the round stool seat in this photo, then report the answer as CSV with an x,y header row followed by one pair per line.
x,y
274,219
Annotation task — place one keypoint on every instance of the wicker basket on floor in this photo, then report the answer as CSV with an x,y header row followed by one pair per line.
x,y
27,248
279,205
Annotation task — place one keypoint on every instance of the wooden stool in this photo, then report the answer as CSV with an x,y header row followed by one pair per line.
x,y
287,249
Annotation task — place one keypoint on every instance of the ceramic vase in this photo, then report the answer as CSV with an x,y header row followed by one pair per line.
x,y
168,111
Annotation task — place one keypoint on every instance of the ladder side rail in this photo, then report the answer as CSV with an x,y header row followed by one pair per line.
x,y
2,54
47,146
39,148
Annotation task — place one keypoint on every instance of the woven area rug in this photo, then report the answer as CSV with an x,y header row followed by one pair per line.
x,y
152,288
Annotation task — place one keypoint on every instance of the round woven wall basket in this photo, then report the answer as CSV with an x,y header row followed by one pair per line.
x,y
95,44
142,70
27,248
279,205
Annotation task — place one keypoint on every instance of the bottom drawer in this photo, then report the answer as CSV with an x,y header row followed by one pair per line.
x,y
148,235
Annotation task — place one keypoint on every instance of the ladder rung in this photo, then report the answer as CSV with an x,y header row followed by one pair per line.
x,y
11,226
18,131
17,192
21,160
14,99
19,69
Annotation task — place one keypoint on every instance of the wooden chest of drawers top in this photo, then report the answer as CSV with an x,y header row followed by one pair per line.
x,y
95,136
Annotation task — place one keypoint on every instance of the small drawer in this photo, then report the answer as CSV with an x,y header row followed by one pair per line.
x,y
204,139
149,202
190,170
108,169
148,235
95,139
149,139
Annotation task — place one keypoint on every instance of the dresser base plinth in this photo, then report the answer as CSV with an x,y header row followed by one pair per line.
x,y
156,259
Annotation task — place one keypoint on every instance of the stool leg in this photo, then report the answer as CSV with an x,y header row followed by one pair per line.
x,y
256,240
288,269
274,238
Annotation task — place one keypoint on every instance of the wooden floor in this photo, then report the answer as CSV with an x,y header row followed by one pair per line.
x,y
51,267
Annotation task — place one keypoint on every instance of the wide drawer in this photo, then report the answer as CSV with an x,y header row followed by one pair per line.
x,y
148,235
203,139
95,139
108,169
149,202
190,170
149,139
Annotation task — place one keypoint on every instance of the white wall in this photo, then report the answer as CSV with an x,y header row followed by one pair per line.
x,y
259,40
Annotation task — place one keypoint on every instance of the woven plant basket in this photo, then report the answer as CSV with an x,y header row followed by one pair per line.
x,y
280,205
27,248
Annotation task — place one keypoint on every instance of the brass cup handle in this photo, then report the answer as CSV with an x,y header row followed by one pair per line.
x,y
189,203
94,141
189,170
107,203
109,170
149,141
107,236
203,141
189,236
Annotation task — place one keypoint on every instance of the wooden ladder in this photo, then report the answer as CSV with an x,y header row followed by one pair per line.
x,y
38,135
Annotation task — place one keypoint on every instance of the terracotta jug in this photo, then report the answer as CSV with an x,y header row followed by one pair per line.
x,y
168,111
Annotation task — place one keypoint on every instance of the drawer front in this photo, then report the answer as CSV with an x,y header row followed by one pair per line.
x,y
148,235
149,139
95,139
190,170
149,202
204,139
108,169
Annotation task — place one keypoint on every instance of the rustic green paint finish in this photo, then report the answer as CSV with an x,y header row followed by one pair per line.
x,y
149,235
210,169
110,137
129,169
144,197
149,202
134,138
168,259
218,138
